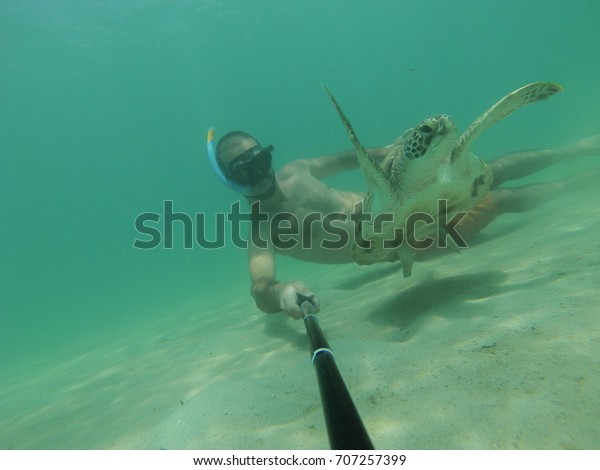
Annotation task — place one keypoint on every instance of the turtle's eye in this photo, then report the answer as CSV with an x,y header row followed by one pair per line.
x,y
425,129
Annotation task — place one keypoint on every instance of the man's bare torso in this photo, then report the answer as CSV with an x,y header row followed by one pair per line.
x,y
323,215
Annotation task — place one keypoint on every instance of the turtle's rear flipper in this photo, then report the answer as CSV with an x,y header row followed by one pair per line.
x,y
407,258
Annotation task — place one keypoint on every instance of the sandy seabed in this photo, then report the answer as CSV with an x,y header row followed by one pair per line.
x,y
498,348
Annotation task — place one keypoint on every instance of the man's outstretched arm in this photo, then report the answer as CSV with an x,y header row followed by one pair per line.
x,y
328,165
270,295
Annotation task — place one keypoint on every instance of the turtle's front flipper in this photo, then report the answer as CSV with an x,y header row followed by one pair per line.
x,y
374,175
523,96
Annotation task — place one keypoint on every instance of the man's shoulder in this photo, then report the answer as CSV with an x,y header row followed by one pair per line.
x,y
295,167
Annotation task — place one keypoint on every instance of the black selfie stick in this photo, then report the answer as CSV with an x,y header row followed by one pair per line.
x,y
344,426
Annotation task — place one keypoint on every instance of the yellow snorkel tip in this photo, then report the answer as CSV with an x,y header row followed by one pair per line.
x,y
210,137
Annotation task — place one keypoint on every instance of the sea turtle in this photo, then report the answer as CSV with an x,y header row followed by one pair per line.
x,y
427,178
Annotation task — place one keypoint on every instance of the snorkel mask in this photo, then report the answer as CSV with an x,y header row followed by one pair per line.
x,y
247,171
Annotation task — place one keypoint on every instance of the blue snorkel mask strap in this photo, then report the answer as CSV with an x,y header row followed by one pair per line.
x,y
212,158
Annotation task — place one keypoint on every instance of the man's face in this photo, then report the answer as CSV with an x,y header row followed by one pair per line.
x,y
233,149
247,164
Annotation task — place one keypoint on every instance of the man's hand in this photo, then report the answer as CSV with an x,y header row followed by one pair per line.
x,y
288,300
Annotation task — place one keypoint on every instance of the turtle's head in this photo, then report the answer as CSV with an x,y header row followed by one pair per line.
x,y
432,138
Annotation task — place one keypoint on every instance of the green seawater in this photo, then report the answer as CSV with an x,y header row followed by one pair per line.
x,y
104,108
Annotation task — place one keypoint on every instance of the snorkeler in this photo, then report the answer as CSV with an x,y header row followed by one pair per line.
x,y
297,189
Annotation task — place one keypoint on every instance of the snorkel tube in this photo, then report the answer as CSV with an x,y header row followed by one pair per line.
x,y
212,158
